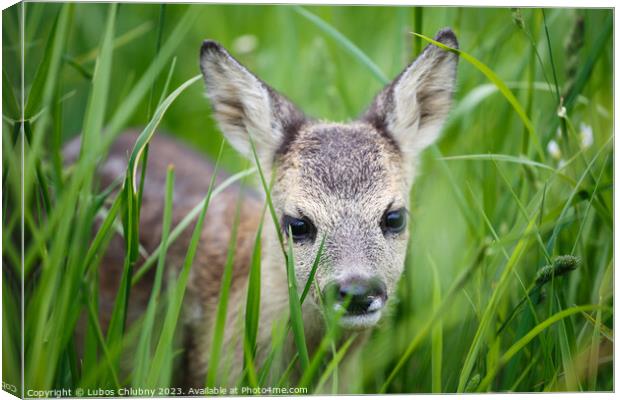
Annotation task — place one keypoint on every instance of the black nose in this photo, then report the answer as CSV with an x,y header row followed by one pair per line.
x,y
360,295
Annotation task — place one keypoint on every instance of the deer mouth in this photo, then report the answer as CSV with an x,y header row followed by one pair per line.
x,y
360,318
360,321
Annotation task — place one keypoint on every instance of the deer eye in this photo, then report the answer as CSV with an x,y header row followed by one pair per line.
x,y
302,229
394,221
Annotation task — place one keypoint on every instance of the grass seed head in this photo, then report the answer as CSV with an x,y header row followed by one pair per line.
x,y
473,383
517,18
561,266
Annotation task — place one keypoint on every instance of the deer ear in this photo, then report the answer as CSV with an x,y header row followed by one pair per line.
x,y
245,106
414,106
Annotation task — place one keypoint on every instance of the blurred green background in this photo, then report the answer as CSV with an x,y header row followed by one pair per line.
x,y
457,205
292,55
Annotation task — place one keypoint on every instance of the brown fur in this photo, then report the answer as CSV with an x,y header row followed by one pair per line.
x,y
192,176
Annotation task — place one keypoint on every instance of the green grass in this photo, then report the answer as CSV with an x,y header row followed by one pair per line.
x,y
492,206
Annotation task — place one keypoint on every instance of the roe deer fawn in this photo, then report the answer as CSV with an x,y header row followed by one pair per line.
x,y
345,182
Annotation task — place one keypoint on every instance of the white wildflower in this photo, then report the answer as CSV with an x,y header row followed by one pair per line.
x,y
586,137
562,112
554,149
245,44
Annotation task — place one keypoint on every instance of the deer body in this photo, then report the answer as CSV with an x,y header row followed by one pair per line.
x,y
192,177
347,183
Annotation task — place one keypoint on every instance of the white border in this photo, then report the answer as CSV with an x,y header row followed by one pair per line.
x,y
427,3
479,3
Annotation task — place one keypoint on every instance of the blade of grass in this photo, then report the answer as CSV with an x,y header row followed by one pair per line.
x,y
297,323
11,333
160,30
296,318
186,221
524,373
288,370
119,41
144,162
103,233
418,12
117,320
96,106
437,313
598,329
516,347
55,142
252,306
458,193
86,74
143,353
436,334
164,345
120,117
522,210
11,161
589,61
93,320
249,368
501,85
569,200
42,181
603,330
565,339
317,359
90,293
511,159
36,96
315,265
589,205
266,189
133,98
310,281
53,283
549,48
101,373
332,335
491,309
475,97
148,132
222,305
41,95
9,100
279,331
335,361
344,42
493,350
168,79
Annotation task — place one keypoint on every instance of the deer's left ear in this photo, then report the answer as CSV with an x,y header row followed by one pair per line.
x,y
414,106
245,107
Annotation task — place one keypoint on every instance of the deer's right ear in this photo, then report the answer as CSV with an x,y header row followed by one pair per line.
x,y
245,106
414,106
